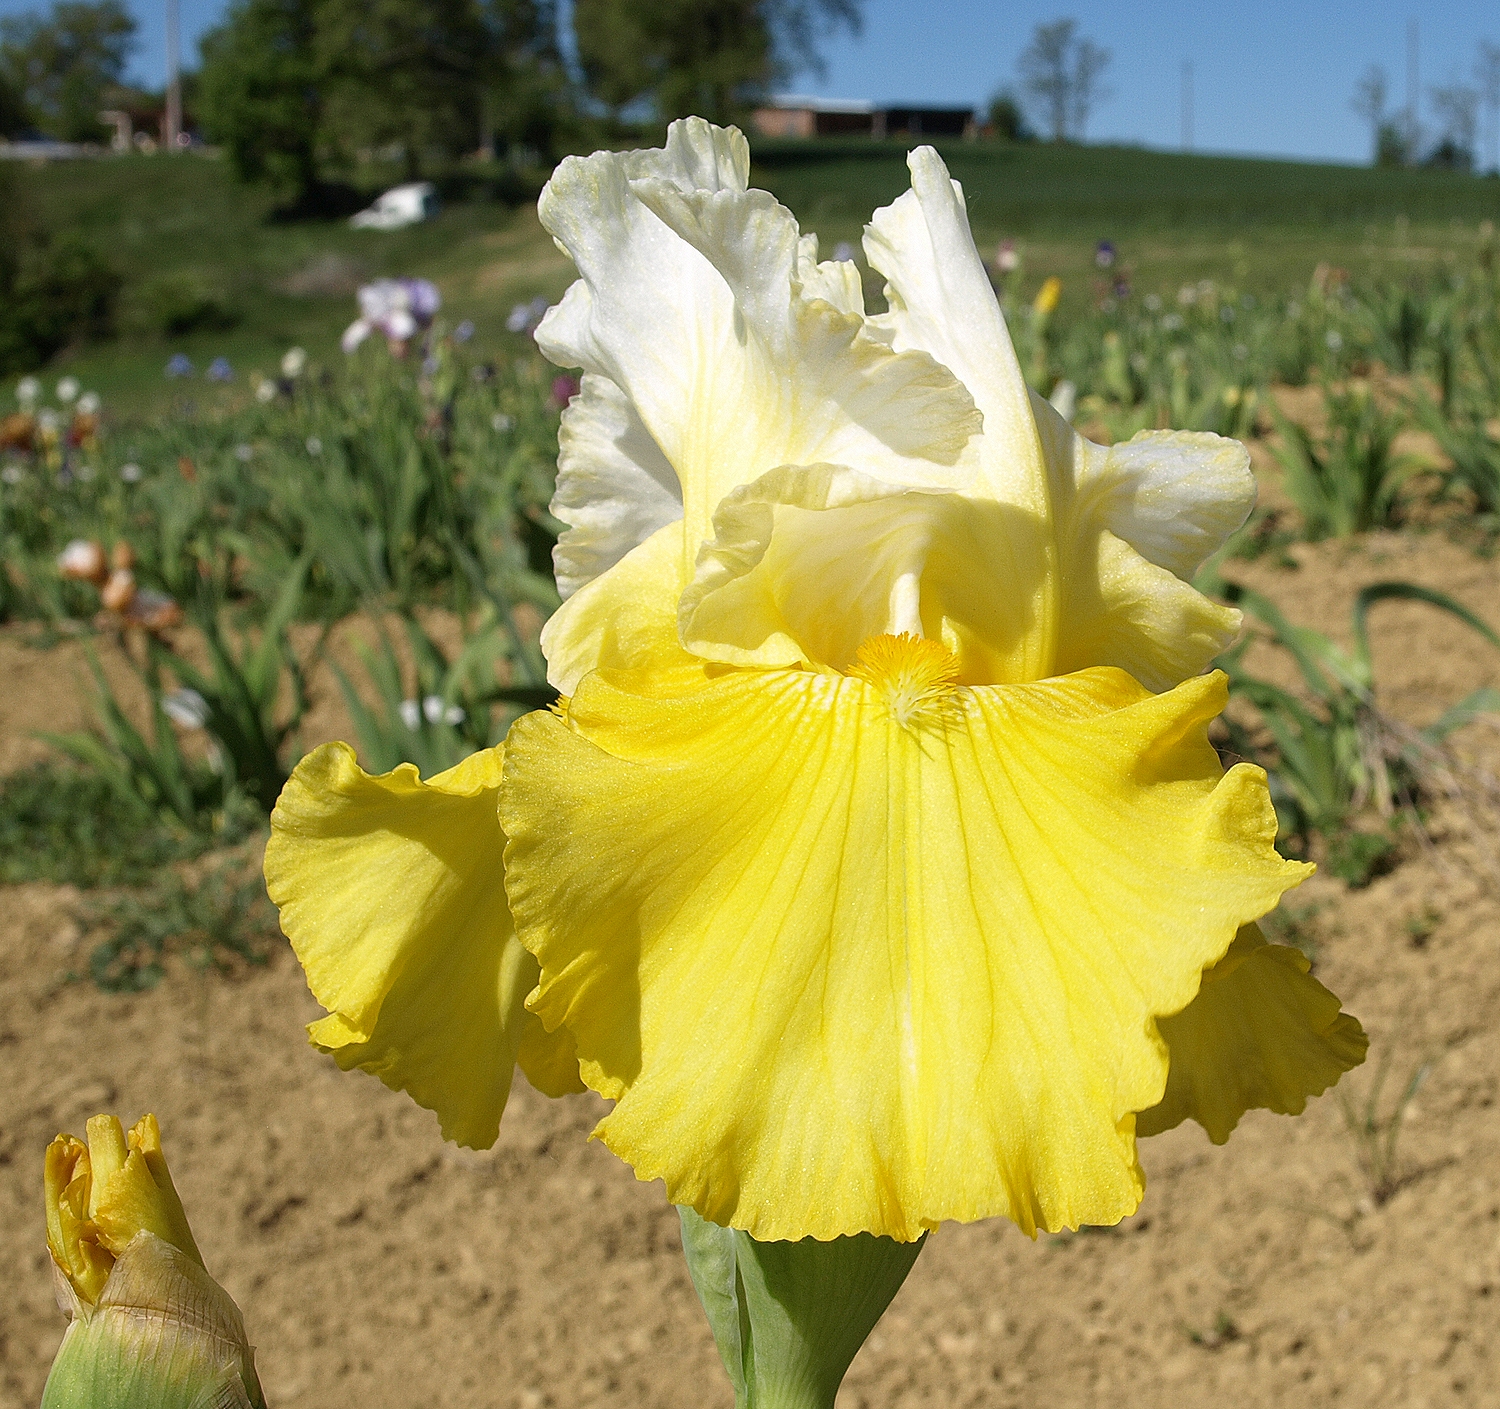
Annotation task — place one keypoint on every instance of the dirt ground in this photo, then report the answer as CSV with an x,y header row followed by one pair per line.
x,y
379,1268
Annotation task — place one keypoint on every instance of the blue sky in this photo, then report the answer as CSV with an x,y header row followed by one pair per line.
x,y
1267,78
1274,79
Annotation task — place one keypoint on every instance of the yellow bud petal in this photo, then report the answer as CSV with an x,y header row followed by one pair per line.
x,y
107,1152
71,1238
132,1189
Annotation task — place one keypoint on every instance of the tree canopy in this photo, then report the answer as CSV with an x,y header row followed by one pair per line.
x,y
709,57
1061,74
55,69
289,86
260,91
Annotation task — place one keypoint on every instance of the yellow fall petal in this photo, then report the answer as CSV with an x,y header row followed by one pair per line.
x,y
390,892
847,967
1262,1034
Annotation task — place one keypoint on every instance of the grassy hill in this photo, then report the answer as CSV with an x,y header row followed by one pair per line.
x,y
185,235
1264,225
182,230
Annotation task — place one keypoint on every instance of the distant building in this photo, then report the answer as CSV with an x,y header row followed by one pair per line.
x,y
793,115
790,115
914,120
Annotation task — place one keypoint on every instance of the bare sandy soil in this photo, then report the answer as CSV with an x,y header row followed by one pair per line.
x,y
378,1268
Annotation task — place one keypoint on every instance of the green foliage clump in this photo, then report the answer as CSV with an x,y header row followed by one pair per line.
x,y
450,710
1333,754
177,304
1348,480
1376,1133
69,825
53,290
221,921
237,702
393,489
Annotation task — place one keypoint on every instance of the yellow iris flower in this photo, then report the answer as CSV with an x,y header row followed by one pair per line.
x,y
879,868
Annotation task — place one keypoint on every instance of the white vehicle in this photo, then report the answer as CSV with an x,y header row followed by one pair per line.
x,y
399,207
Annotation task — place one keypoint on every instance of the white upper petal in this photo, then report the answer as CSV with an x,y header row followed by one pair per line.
x,y
1132,523
941,302
1174,496
614,486
738,352
816,473
835,281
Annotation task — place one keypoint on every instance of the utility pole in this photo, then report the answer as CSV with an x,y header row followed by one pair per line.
x,y
1187,105
1413,93
174,82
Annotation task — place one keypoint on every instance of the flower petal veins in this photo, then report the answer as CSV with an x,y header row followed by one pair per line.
x,y
841,974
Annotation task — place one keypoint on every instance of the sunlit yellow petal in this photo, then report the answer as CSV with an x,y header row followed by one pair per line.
x,y
1133,523
390,891
812,560
847,967
1118,609
626,618
1262,1034
135,1193
71,1238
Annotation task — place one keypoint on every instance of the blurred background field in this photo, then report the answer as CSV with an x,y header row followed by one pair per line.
x,y
207,270
224,539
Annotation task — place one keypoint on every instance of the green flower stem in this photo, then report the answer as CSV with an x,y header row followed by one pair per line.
x,y
788,1318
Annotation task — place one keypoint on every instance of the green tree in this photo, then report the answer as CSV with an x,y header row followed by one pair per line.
x,y
261,92
13,118
405,72
525,85
440,76
1368,103
1007,119
290,86
709,57
1061,74
61,64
